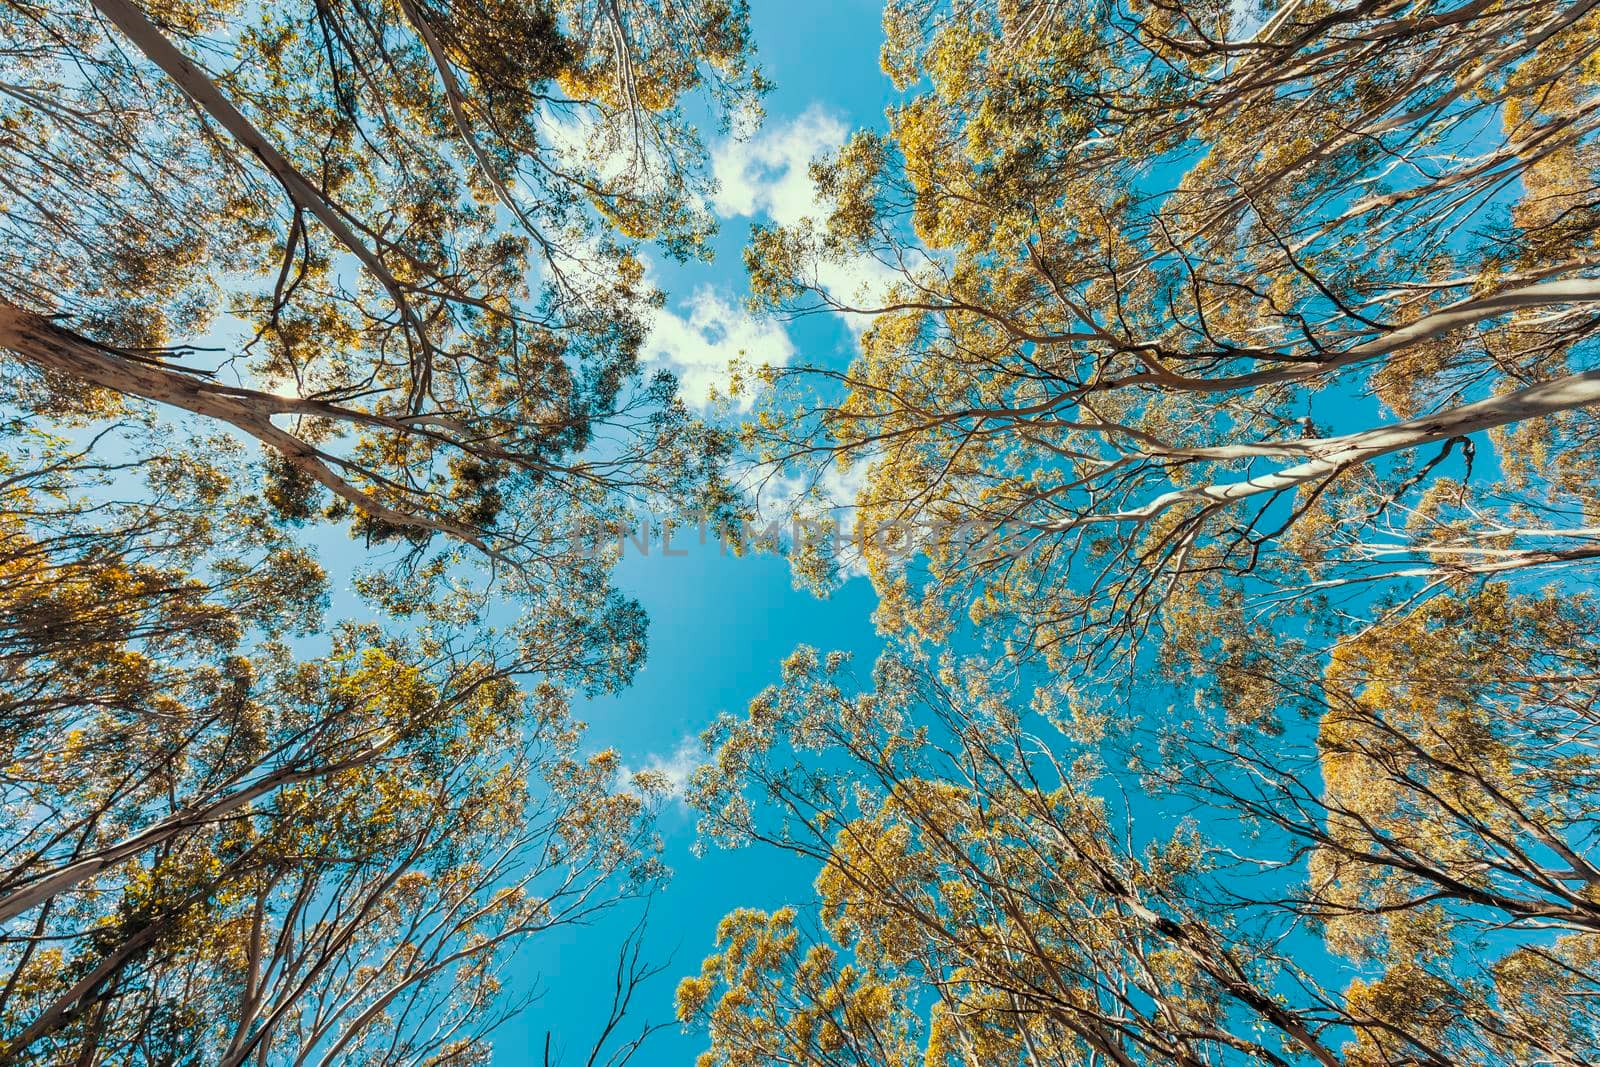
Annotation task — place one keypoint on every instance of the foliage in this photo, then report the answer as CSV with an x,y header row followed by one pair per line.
x,y
990,891
413,225
234,830
1188,302
214,850
1232,392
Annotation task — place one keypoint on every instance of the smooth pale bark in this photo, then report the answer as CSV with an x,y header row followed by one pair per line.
x,y
60,351
37,892
1456,316
1463,559
329,953
1333,454
199,87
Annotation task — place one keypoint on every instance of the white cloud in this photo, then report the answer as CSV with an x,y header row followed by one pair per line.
x,y
672,771
769,175
862,282
834,491
701,347
580,141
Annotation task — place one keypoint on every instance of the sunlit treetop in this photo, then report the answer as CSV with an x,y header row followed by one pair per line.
x,y
1195,297
1412,883
411,229
197,771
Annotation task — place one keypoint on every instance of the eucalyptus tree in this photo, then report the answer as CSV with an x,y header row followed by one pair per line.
x,y
268,265
212,847
993,890
1189,299
1237,376
1444,808
352,897
411,228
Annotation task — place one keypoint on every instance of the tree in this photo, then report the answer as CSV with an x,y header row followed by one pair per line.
x,y
1448,846
1189,300
418,220
971,876
232,832
358,908
212,849
1237,361
991,892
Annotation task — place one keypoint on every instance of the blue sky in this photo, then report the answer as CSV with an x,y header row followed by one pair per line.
x,y
719,624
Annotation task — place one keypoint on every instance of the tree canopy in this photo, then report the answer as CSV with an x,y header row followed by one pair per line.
x,y
1187,300
267,266
993,890
1225,429
419,221
1219,428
